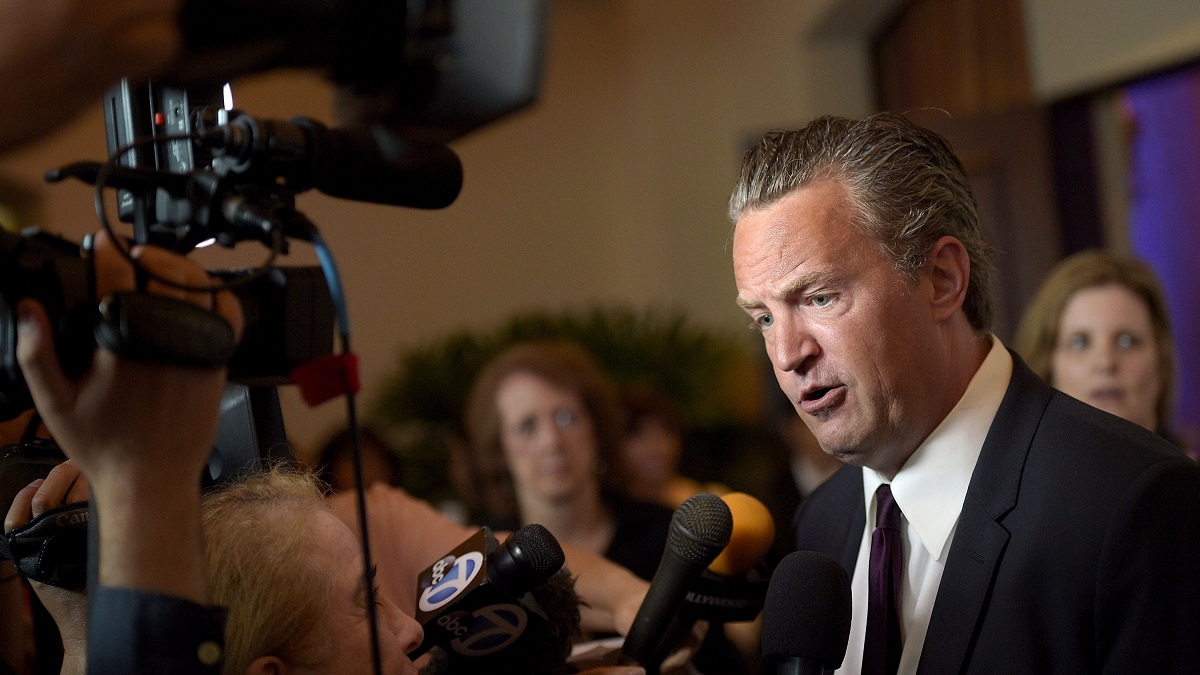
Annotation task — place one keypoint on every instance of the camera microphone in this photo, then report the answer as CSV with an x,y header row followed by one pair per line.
x,y
363,163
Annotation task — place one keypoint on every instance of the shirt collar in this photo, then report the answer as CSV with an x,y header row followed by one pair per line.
x,y
931,487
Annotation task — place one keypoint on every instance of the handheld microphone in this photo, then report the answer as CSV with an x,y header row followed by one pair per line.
x,y
476,600
806,620
734,586
700,528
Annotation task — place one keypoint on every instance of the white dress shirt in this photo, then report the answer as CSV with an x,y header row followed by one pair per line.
x,y
930,490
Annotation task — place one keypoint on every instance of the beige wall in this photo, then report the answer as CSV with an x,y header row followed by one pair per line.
x,y
611,188
1080,45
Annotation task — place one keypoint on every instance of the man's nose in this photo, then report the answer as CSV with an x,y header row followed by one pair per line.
x,y
792,344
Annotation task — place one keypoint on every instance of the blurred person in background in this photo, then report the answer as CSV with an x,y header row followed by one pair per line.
x,y
1098,330
545,427
652,450
334,464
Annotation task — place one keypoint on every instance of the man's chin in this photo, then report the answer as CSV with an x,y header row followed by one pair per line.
x,y
852,457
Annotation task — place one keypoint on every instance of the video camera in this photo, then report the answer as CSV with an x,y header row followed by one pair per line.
x,y
189,169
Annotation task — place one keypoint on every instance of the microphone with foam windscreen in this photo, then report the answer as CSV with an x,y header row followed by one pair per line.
x,y
734,586
364,163
806,619
699,530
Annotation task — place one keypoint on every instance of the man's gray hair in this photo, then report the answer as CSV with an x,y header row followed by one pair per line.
x,y
905,184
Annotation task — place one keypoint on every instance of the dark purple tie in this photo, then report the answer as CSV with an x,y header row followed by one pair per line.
x,y
881,655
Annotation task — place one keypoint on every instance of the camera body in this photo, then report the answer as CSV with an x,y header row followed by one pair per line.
x,y
288,312
23,463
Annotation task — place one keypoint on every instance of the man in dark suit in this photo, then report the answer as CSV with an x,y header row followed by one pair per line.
x,y
1036,534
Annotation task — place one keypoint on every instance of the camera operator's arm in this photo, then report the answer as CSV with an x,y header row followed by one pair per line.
x,y
64,485
57,56
141,432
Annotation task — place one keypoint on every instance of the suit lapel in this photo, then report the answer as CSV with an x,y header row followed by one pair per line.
x,y
822,522
979,539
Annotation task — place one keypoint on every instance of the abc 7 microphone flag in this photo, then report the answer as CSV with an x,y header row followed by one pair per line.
x,y
476,602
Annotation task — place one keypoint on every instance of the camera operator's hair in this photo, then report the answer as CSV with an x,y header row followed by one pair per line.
x,y
905,184
258,562
565,365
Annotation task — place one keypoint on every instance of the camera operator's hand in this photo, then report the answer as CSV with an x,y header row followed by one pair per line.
x,y
140,431
57,56
64,485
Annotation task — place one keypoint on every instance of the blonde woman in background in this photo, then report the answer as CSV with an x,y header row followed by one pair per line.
x,y
1098,330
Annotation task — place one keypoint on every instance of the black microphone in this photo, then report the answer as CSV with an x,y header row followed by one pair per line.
x,y
475,601
700,529
734,586
806,619
371,164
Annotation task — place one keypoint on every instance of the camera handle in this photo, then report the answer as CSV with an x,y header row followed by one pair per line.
x,y
168,330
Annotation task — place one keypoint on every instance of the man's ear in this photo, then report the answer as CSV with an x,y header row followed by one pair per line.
x,y
267,665
949,268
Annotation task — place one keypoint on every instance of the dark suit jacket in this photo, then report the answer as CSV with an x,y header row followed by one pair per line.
x,y
1077,549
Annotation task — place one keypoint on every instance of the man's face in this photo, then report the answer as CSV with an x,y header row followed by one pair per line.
x,y
846,333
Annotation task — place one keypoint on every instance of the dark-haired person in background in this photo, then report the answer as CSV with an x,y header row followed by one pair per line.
x,y
1036,534
652,450
335,461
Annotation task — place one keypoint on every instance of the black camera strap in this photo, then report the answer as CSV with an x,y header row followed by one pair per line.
x,y
51,548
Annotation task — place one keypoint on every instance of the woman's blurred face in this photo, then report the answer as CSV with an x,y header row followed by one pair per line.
x,y
548,437
1107,354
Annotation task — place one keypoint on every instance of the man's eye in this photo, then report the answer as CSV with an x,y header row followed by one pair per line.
x,y
526,427
1077,342
764,321
822,299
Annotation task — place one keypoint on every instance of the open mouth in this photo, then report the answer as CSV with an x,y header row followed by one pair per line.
x,y
816,394
814,400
